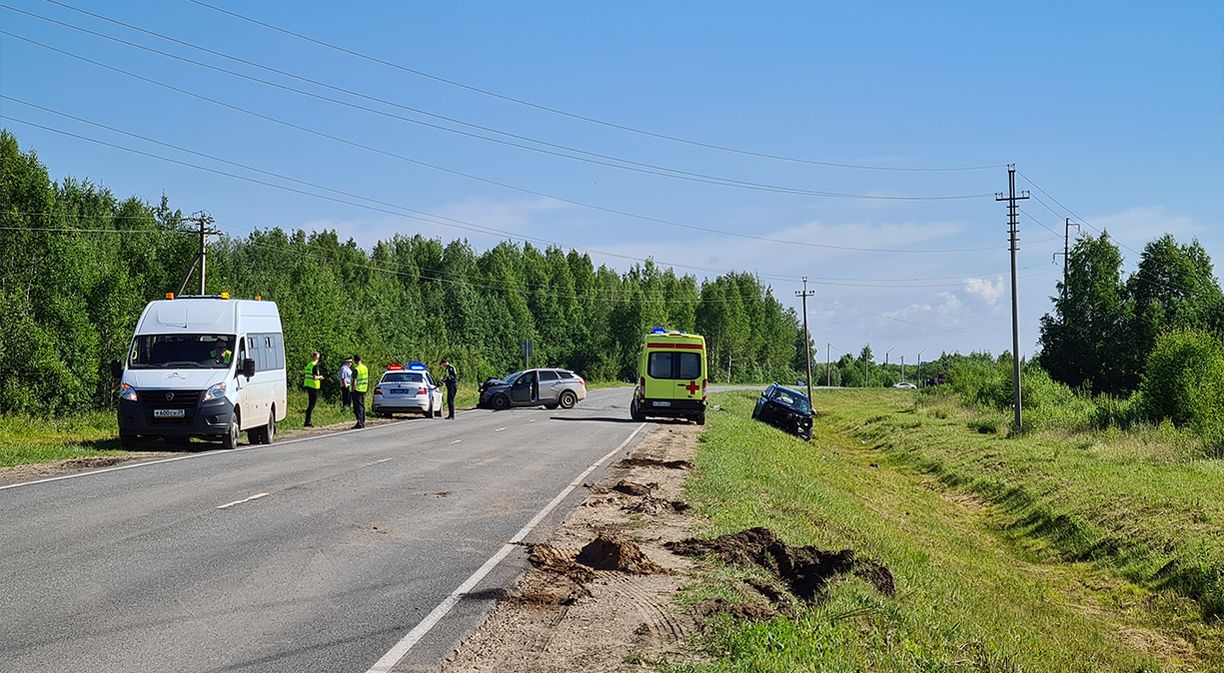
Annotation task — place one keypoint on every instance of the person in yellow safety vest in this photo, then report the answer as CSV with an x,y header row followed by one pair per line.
x,y
361,383
221,354
311,381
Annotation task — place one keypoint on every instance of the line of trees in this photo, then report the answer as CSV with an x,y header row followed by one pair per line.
x,y
72,288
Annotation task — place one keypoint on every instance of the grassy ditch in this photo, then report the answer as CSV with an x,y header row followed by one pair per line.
x,y
980,586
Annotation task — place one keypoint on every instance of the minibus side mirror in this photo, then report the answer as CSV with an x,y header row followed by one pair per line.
x,y
116,369
248,368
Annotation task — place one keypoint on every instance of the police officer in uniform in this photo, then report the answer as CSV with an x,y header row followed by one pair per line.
x,y
311,382
451,379
361,383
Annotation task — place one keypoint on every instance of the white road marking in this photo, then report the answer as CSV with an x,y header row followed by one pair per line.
x,y
396,653
257,496
456,441
532,421
499,430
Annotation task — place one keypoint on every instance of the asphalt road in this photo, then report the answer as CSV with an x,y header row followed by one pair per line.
x,y
311,555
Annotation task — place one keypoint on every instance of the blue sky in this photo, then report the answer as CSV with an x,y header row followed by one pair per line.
x,y
1116,110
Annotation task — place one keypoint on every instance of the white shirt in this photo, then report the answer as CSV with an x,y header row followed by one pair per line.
x,y
346,375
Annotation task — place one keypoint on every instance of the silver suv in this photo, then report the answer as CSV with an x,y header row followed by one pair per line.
x,y
534,387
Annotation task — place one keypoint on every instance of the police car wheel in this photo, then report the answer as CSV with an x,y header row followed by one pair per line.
x,y
568,399
500,402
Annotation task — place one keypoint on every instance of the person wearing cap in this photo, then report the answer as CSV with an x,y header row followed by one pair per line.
x,y
451,379
346,383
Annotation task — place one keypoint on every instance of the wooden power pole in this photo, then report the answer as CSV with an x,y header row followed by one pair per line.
x,y
807,337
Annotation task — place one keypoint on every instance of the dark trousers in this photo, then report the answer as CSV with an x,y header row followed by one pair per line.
x,y
346,398
312,397
359,408
450,401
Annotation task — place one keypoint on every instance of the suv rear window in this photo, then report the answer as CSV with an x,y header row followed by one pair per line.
x,y
564,374
685,366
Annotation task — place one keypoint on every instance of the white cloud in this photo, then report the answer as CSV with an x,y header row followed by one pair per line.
x,y
982,288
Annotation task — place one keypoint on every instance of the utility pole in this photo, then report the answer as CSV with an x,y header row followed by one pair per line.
x,y
828,365
902,367
865,379
1013,238
920,379
807,337
1066,248
203,219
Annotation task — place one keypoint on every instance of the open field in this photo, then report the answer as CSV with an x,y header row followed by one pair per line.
x,y
1035,553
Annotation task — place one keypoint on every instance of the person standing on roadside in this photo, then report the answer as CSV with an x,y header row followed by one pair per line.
x,y
451,379
311,379
346,383
361,383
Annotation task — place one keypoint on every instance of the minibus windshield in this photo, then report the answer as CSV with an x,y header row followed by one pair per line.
x,y
182,351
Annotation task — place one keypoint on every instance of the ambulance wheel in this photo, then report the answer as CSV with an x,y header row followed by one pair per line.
x,y
568,399
635,411
500,403
699,419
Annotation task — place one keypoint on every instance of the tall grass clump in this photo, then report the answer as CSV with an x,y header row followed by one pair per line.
x,y
1184,383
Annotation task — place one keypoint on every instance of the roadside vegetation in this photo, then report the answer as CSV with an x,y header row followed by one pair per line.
x,y
1048,551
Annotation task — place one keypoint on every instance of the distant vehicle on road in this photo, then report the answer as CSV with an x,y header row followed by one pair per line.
x,y
672,377
549,387
410,389
786,409
208,367
905,384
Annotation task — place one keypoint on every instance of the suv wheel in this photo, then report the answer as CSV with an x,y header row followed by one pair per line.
x,y
568,399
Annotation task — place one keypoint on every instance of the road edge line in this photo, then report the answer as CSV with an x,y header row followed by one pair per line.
x,y
397,652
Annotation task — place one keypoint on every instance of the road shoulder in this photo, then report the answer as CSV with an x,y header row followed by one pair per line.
x,y
563,615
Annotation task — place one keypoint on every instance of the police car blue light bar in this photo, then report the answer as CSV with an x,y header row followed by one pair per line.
x,y
658,330
416,367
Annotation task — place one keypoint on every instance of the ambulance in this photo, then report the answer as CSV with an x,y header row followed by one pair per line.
x,y
672,378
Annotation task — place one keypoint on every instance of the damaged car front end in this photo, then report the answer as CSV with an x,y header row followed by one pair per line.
x,y
786,409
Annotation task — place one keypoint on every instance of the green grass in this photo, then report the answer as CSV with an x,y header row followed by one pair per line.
x,y
981,585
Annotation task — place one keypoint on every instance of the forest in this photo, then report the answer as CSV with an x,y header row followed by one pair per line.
x,y
77,266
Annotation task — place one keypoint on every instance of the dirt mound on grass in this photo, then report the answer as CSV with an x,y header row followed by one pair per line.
x,y
653,505
749,611
612,553
806,571
655,462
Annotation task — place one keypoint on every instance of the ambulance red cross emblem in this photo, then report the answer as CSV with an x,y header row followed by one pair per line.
x,y
692,387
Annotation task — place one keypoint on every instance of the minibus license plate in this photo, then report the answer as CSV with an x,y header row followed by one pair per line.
x,y
169,413
662,403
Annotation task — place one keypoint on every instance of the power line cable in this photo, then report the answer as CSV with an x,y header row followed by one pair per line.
x,y
572,115
384,207
864,282
485,180
557,151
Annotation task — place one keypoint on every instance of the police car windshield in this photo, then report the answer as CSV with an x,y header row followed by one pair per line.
x,y
403,377
182,351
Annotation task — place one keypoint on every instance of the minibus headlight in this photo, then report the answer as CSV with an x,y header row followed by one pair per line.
x,y
216,392
127,392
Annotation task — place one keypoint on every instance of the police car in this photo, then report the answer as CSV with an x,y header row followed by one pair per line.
x,y
408,389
